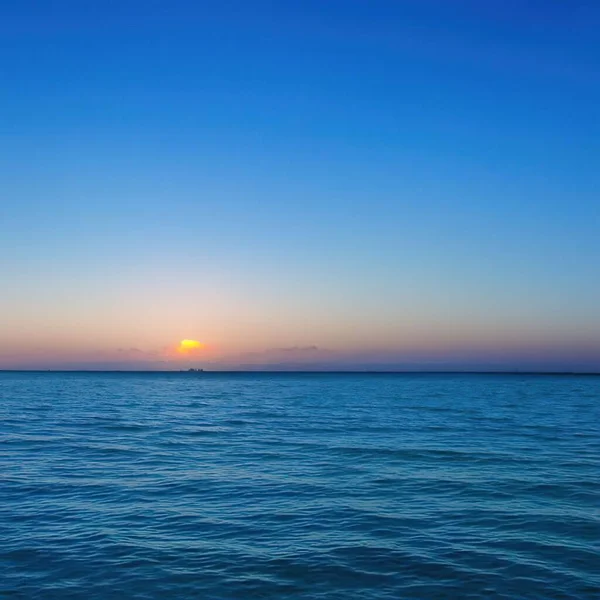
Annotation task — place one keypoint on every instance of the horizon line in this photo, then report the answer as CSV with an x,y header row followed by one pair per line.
x,y
305,371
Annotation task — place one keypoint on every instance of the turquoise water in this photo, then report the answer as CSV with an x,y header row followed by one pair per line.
x,y
299,486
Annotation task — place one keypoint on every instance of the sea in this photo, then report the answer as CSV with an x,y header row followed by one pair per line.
x,y
299,486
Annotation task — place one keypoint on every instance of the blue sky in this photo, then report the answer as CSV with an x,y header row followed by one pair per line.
x,y
390,182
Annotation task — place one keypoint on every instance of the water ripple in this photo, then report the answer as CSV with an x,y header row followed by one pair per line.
x,y
229,486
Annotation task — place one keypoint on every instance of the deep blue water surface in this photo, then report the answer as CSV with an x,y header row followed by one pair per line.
x,y
327,487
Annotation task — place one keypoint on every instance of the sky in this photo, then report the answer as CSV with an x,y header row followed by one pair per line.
x,y
350,184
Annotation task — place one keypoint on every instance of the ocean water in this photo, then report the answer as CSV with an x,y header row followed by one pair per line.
x,y
308,486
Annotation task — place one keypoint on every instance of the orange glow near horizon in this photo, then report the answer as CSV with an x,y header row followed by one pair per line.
x,y
189,347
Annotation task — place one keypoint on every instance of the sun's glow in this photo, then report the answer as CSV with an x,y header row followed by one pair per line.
x,y
189,346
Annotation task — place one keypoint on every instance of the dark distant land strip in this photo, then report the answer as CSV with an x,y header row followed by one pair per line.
x,y
299,372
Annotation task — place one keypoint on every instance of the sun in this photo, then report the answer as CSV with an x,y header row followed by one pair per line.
x,y
189,346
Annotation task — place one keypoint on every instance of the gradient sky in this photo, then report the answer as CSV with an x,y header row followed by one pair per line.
x,y
339,184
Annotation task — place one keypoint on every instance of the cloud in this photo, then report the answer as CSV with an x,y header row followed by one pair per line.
x,y
298,349
137,354
286,355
